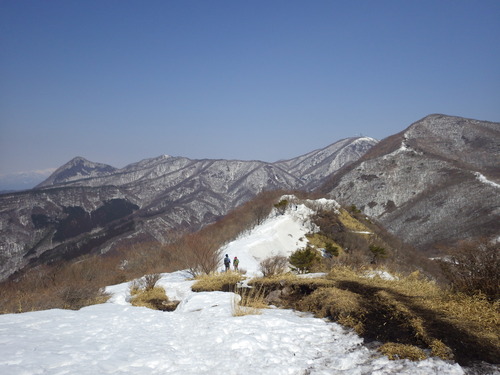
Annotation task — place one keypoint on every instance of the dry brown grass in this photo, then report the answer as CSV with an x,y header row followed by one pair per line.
x,y
351,223
275,265
402,351
69,286
225,282
153,298
437,318
410,311
248,301
340,305
299,285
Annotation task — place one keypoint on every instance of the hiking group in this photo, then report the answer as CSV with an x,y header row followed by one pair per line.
x,y
227,263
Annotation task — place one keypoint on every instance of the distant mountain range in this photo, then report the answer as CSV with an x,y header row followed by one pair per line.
x,y
433,184
90,207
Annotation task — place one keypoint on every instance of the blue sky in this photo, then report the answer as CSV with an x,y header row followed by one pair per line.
x,y
120,81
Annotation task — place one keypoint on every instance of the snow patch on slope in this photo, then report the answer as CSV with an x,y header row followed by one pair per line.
x,y
484,180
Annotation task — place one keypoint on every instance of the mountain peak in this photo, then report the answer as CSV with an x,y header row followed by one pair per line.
x,y
431,184
76,169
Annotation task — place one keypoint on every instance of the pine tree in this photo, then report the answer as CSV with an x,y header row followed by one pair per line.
x,y
304,260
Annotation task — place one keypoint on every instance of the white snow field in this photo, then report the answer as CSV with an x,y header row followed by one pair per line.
x,y
201,336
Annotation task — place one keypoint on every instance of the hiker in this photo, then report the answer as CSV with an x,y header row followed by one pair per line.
x,y
236,261
227,262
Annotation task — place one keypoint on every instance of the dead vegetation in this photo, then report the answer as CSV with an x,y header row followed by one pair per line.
x,y
248,301
225,282
413,316
408,312
144,292
473,267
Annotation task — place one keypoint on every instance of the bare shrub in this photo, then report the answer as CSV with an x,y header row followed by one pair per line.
x,y
274,265
146,258
147,282
473,266
150,280
199,254
74,297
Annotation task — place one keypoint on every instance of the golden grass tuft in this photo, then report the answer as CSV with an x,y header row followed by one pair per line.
x,y
224,282
153,298
297,285
476,310
416,323
249,301
341,305
397,351
439,349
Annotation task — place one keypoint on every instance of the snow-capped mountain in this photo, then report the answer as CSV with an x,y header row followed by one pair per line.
x,y
85,206
76,169
319,164
434,183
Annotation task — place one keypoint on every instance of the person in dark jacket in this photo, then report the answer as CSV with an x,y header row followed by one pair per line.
x,y
227,262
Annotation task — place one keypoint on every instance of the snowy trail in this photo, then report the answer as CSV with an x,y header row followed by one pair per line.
x,y
201,336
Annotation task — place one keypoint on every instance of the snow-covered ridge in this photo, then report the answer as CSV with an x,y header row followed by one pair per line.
x,y
201,336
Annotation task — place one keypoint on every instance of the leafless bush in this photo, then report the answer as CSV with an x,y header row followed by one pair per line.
x,y
75,297
274,265
146,258
147,282
199,254
473,266
150,280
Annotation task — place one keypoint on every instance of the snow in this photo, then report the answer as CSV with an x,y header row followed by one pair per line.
x,y
278,235
201,336
484,180
384,275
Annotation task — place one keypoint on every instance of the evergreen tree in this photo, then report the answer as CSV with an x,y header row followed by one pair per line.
x,y
378,253
304,260
331,249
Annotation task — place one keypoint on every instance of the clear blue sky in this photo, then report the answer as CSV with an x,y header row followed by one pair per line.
x,y
120,81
